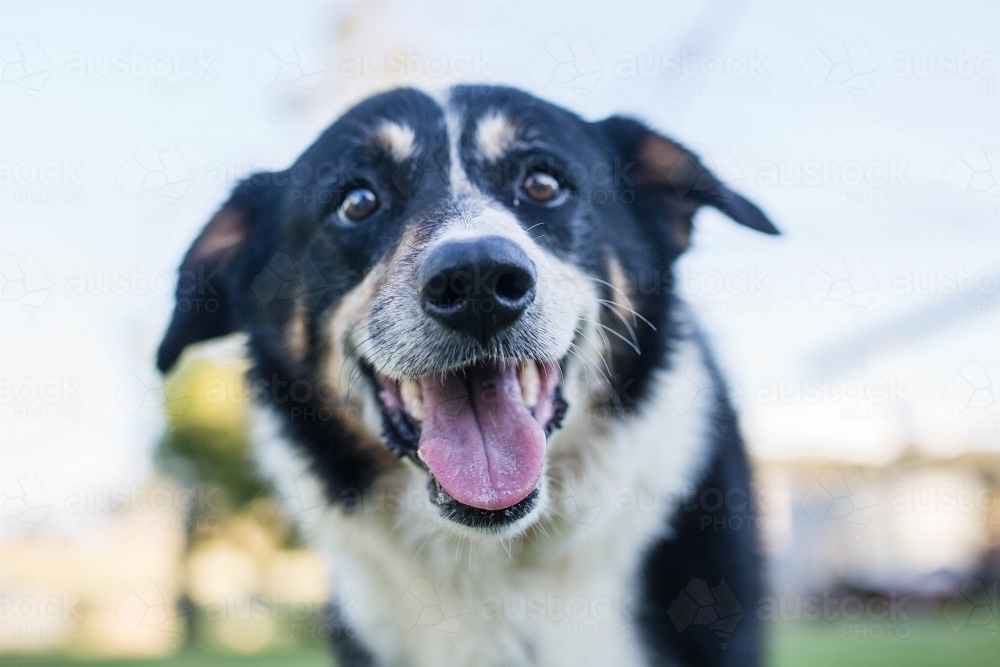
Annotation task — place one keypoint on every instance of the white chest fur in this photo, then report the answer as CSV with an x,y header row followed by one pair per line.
x,y
563,593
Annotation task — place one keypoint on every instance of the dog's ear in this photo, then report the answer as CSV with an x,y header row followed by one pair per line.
x,y
666,169
208,284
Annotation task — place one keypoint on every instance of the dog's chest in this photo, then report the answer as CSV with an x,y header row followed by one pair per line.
x,y
565,593
575,608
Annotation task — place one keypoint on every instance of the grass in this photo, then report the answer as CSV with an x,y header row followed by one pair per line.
x,y
315,656
918,644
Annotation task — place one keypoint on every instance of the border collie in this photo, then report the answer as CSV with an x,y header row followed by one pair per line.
x,y
478,391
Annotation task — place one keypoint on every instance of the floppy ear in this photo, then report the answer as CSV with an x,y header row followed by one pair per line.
x,y
666,169
208,284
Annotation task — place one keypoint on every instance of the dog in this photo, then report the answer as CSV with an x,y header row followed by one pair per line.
x,y
469,360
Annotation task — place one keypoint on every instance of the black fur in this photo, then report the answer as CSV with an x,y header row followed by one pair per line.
x,y
277,251
713,542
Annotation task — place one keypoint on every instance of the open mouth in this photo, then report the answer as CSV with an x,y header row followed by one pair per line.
x,y
479,432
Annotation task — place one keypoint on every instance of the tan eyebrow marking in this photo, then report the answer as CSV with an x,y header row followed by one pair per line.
x,y
398,139
495,135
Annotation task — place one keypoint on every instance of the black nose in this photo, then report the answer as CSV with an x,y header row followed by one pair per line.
x,y
478,286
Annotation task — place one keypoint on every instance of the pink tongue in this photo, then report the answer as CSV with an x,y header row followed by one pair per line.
x,y
478,438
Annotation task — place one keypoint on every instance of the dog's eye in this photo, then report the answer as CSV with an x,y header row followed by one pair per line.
x,y
541,187
358,205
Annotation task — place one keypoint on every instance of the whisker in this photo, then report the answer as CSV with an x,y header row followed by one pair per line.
x,y
614,306
633,344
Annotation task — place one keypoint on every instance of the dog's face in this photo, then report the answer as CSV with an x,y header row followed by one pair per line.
x,y
444,278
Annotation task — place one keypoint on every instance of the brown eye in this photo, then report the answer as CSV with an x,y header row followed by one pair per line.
x,y
541,187
358,205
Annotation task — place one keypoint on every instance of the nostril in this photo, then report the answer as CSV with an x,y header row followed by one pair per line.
x,y
448,290
514,284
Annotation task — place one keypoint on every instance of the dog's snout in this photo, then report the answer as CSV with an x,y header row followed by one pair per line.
x,y
477,286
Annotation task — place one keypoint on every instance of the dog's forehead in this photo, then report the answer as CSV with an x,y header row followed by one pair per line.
x,y
485,120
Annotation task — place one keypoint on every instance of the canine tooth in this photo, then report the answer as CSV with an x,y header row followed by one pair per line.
x,y
412,398
527,375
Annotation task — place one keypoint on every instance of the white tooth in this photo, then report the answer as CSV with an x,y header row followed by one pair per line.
x,y
527,375
412,398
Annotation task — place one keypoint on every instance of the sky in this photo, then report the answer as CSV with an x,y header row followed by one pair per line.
x,y
867,131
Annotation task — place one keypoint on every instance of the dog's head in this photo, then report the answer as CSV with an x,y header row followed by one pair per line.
x,y
432,283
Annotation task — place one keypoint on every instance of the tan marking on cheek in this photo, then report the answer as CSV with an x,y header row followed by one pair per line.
x,y
622,290
398,139
495,135
351,315
297,333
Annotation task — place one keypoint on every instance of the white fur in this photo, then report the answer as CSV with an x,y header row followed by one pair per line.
x,y
425,596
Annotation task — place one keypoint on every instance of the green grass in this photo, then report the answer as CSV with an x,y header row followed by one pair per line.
x,y
318,656
918,644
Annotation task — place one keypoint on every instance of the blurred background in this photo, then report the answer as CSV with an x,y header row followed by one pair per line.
x,y
863,346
